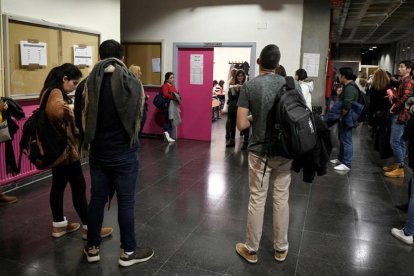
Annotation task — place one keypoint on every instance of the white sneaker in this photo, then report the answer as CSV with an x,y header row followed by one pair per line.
x,y
335,161
341,167
400,235
168,138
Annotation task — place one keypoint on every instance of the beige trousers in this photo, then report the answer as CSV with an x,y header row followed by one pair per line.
x,y
278,173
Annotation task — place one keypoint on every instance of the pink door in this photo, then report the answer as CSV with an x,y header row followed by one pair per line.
x,y
195,82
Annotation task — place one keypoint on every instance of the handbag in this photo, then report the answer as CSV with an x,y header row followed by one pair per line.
x,y
4,132
160,101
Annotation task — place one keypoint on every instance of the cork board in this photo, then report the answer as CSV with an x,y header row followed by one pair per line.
x,y
25,82
142,54
22,80
70,38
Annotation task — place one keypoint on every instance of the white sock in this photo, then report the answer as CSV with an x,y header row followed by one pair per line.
x,y
129,253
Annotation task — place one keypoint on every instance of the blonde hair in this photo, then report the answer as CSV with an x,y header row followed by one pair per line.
x,y
380,81
135,69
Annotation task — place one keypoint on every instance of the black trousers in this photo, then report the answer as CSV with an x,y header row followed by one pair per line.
x,y
233,119
73,174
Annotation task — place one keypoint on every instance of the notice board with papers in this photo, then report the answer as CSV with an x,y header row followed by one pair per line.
x,y
33,47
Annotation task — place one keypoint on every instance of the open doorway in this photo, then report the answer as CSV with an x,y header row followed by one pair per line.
x,y
196,105
226,57
225,60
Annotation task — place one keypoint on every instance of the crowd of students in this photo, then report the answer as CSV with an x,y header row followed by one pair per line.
x,y
110,111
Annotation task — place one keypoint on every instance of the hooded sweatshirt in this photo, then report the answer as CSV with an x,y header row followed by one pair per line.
x,y
307,89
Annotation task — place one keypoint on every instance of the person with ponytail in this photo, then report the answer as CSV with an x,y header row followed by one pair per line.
x,y
61,81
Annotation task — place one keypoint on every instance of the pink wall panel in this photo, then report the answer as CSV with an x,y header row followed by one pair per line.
x,y
196,99
27,169
154,122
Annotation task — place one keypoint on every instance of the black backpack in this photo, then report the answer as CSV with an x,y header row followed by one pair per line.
x,y
41,141
160,101
290,129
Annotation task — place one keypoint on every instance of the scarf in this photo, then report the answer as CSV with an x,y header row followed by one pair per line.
x,y
128,95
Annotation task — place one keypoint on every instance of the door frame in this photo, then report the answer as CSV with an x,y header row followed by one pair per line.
x,y
209,45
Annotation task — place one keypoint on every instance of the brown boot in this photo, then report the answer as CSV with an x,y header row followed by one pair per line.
x,y
390,167
7,199
105,232
61,228
399,172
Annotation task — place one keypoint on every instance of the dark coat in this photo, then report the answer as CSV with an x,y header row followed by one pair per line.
x,y
314,162
14,111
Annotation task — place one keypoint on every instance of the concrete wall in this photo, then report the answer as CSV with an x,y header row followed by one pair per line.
x,y
387,59
261,21
315,39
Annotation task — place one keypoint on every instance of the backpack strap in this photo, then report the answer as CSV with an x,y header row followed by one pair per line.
x,y
44,100
264,172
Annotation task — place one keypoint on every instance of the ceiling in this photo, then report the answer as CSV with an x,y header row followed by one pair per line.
x,y
371,22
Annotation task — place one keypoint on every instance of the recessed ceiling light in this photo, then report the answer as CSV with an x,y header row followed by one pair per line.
x,y
375,47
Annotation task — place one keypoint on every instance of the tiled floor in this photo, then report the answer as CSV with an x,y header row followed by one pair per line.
x,y
191,208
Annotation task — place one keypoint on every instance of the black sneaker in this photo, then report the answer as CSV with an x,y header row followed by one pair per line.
x,y
92,254
140,255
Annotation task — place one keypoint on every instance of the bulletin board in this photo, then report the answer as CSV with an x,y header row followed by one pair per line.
x,y
25,82
22,80
70,38
144,54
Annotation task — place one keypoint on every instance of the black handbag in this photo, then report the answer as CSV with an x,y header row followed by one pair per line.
x,y
160,101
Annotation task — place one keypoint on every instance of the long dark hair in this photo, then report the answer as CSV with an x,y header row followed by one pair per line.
x,y
167,76
240,72
55,78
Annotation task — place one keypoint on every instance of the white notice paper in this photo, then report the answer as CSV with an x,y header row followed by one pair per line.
x,y
156,65
311,64
196,69
82,55
33,53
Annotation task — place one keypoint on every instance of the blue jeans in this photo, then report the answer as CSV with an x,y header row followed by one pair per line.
x,y
107,176
345,144
409,226
396,141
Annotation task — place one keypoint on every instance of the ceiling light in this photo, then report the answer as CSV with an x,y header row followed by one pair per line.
x,y
375,47
371,49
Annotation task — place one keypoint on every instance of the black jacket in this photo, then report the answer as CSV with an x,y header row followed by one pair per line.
x,y
314,162
14,110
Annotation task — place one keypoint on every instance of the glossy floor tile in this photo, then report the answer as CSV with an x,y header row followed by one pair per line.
x,y
191,207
